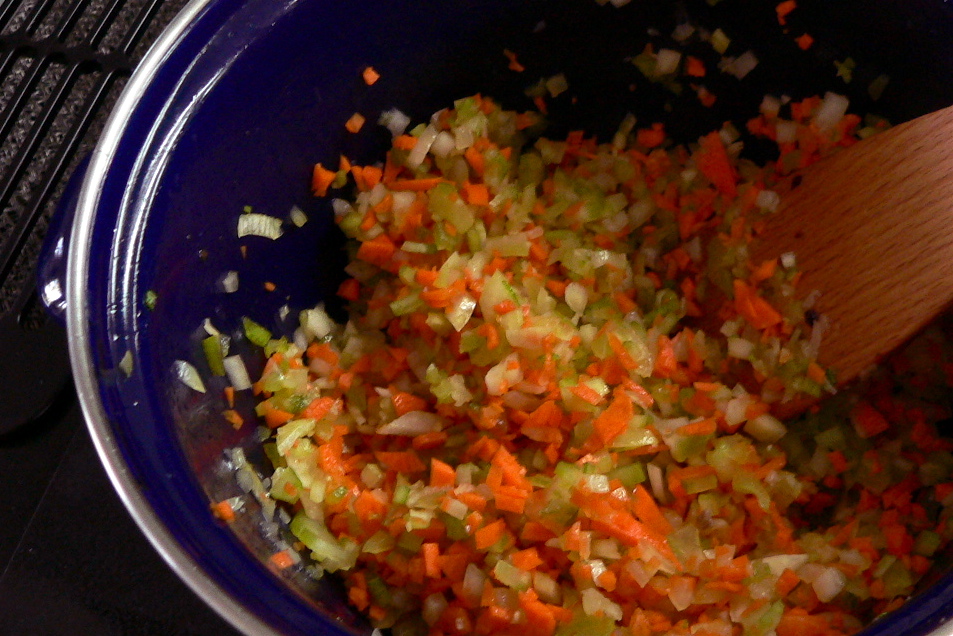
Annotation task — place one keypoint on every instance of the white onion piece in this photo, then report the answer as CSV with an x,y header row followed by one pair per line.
x,y
237,373
297,215
188,375
412,423
831,111
126,364
666,62
443,145
254,224
230,282
416,156
395,121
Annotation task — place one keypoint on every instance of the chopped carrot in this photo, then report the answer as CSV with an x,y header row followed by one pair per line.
x,y
477,163
276,417
868,421
442,474
648,512
234,418
370,75
355,122
377,251
321,180
489,535
476,194
400,461
404,142
224,511
282,559
415,185
804,41
431,554
514,65
694,67
784,9
350,289
713,161
651,137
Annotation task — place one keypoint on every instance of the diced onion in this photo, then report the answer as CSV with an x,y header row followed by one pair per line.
x,y
766,428
297,215
829,584
576,297
189,375
443,145
125,365
395,121
666,61
237,372
254,224
417,154
412,423
230,282
832,109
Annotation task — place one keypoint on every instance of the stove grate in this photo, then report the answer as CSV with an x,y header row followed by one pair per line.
x,y
63,63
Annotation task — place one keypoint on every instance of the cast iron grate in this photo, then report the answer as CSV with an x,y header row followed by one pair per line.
x,y
62,65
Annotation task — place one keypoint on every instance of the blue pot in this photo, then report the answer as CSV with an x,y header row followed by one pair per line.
x,y
232,107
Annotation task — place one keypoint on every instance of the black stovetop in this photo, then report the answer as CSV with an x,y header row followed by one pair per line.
x,y
72,561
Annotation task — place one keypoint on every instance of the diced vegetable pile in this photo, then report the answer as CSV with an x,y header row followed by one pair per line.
x,y
555,406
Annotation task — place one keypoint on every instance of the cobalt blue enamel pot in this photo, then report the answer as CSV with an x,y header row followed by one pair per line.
x,y
234,105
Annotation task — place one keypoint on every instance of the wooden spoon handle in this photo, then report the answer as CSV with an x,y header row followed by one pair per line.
x,y
872,230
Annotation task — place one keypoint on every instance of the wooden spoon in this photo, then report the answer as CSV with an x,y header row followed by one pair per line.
x,y
872,229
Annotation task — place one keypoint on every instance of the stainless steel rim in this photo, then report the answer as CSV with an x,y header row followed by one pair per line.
x,y
81,355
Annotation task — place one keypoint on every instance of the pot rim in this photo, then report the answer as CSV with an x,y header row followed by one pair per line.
x,y
81,357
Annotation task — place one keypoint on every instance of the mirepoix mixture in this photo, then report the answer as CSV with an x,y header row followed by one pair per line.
x,y
523,428
554,409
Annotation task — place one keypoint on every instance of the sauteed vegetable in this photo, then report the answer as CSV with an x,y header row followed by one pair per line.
x,y
555,407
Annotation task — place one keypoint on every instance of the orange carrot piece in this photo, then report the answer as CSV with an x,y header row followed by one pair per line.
x,y
282,559
404,462
406,402
276,417
783,9
615,419
416,185
355,122
370,75
224,511
234,418
477,163
431,555
373,176
804,41
476,193
377,251
350,289
753,308
514,64
527,559
713,162
442,475
318,408
404,142
868,421
487,536
694,67
648,512
321,180
586,393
